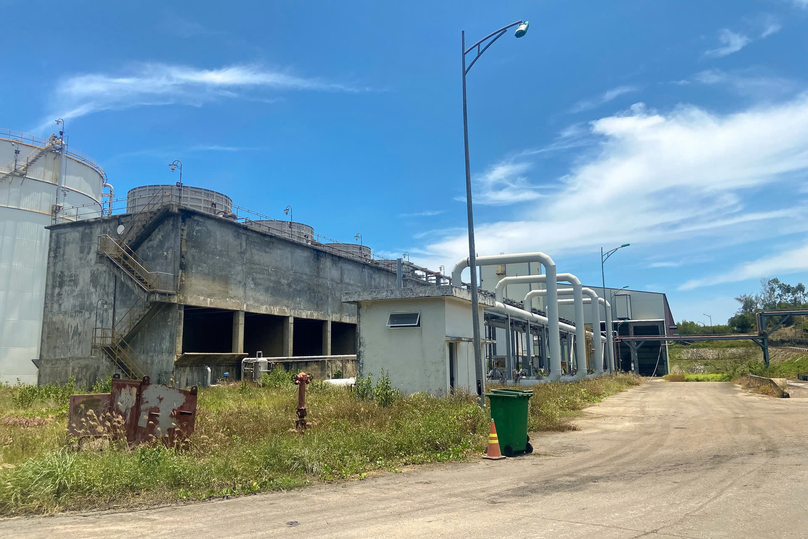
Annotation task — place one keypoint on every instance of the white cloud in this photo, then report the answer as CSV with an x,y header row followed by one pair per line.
x,y
503,184
686,176
749,82
730,43
784,263
665,264
609,95
800,3
427,213
771,26
162,84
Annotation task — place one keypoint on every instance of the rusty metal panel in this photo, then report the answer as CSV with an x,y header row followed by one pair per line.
x,y
145,412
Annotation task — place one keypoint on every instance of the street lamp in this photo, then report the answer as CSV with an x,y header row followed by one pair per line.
x,y
288,211
710,317
358,238
603,258
521,30
174,164
406,256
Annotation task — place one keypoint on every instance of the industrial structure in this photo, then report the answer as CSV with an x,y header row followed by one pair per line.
x,y
39,178
177,283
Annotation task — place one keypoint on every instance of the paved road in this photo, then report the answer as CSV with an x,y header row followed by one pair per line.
x,y
662,460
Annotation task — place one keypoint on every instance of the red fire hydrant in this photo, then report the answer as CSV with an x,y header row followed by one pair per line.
x,y
301,380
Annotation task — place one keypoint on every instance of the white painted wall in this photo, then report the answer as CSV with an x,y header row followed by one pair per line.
x,y
417,359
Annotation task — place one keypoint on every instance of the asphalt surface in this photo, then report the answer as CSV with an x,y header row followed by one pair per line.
x,y
661,460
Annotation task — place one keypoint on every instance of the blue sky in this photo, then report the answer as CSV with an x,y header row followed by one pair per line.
x,y
680,127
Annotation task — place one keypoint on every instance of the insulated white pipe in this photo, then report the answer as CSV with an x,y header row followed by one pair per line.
x,y
608,339
111,196
552,296
580,330
595,301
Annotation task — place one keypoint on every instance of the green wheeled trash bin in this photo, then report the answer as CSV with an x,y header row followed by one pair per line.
x,y
509,409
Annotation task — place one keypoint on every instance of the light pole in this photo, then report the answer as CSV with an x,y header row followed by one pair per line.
x,y
406,256
288,211
710,317
358,238
603,258
174,164
488,40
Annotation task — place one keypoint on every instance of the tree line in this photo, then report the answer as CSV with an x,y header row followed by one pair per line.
x,y
774,295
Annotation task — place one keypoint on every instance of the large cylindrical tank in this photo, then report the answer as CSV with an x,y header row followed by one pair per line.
x,y
27,200
350,249
290,229
195,198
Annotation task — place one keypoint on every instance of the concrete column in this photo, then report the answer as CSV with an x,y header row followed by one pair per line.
x,y
327,337
238,332
288,336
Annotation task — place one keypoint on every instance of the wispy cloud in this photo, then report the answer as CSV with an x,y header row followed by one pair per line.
x,y
750,82
171,23
427,213
770,26
685,177
665,265
783,263
609,95
163,84
505,183
803,4
730,44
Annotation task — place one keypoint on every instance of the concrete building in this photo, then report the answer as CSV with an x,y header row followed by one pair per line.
x,y
39,180
422,337
170,289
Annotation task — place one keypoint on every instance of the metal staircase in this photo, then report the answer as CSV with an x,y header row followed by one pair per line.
x,y
19,167
153,289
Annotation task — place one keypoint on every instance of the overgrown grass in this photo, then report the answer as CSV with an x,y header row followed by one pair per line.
x,y
245,442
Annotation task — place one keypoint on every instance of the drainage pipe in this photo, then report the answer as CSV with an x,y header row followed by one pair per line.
x,y
552,296
207,383
595,301
580,335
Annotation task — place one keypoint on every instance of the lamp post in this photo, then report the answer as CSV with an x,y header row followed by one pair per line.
x,y
174,165
603,258
406,256
710,317
480,47
358,238
288,211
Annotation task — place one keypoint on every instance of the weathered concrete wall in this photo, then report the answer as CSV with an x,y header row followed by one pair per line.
x,y
221,264
229,266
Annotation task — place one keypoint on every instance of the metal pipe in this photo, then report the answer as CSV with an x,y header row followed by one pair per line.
x,y
207,378
608,337
110,195
594,298
552,295
580,335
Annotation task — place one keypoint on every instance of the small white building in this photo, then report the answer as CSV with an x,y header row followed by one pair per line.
x,y
422,337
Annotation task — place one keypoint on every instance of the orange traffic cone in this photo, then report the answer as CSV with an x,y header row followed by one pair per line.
x,y
493,452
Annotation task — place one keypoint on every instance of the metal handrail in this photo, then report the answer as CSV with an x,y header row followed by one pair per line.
x,y
25,138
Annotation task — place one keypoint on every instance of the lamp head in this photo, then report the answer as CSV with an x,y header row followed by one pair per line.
x,y
286,211
625,245
173,167
356,237
521,30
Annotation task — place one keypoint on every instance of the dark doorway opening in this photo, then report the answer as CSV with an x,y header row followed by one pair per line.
x,y
264,333
308,337
343,338
207,330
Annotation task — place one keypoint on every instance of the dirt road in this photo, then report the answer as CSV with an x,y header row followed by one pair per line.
x,y
662,460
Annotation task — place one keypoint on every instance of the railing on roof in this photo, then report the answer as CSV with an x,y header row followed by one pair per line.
x,y
251,219
25,138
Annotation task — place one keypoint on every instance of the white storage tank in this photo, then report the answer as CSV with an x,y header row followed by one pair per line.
x,y
28,189
289,229
195,198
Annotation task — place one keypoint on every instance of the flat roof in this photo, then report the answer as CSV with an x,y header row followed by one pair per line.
x,y
415,292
